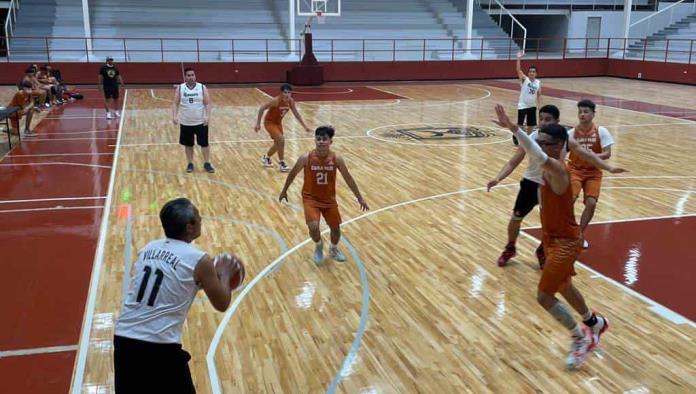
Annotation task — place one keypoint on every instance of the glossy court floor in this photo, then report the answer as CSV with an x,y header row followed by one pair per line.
x,y
420,305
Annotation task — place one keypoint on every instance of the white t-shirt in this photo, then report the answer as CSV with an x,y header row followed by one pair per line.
x,y
528,93
191,108
161,291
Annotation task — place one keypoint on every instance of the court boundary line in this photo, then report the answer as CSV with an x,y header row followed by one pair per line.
x,y
154,96
85,331
637,219
63,154
51,199
264,93
51,209
388,92
37,350
54,163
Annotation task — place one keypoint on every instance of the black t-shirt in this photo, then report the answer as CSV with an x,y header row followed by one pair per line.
x,y
109,75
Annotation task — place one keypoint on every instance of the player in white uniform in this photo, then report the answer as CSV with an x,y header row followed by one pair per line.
x,y
527,197
193,118
148,357
530,97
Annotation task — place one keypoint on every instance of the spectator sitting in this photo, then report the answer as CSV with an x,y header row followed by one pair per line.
x,y
45,78
37,93
22,100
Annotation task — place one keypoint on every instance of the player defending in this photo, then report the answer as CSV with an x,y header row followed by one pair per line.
x,y
561,238
273,123
319,191
586,176
527,197
530,96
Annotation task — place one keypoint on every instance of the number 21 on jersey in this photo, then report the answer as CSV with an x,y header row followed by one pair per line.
x,y
322,178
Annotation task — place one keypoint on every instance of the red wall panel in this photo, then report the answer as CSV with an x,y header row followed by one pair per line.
x,y
653,71
163,73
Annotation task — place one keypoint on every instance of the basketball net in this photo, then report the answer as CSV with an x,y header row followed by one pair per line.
x,y
321,18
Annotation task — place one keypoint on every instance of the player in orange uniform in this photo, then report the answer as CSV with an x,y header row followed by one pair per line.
x,y
561,237
319,191
22,100
584,175
273,123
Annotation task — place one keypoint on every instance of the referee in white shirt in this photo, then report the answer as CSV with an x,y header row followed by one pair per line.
x,y
193,118
148,357
530,97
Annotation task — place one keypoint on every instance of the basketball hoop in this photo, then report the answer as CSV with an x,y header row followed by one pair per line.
x,y
320,17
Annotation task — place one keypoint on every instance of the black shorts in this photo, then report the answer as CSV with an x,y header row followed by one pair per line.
x,y
527,198
529,113
111,91
187,133
146,367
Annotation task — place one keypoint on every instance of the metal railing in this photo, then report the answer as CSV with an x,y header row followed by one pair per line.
x,y
10,21
649,19
573,5
57,49
513,20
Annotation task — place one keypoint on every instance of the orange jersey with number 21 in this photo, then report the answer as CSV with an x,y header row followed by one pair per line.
x,y
320,179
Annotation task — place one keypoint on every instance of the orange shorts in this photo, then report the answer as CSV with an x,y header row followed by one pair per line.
x,y
561,254
313,213
275,130
588,182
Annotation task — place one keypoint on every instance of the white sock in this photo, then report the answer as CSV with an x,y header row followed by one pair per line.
x,y
334,246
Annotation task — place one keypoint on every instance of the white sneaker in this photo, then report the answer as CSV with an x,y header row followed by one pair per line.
x,y
108,115
284,167
267,161
585,244
598,329
580,348
118,114
336,254
319,253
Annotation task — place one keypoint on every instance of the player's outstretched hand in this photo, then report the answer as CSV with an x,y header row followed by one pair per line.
x,y
520,54
257,128
227,265
283,196
491,184
503,120
363,204
617,170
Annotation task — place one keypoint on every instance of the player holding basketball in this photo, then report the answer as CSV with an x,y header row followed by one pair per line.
x,y
273,123
530,96
527,197
319,191
561,237
584,175
148,357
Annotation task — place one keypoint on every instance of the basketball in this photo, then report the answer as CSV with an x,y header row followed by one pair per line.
x,y
237,279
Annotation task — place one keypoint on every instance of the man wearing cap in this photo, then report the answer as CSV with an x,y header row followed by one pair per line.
x,y
109,79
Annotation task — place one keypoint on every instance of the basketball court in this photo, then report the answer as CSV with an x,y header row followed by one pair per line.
x,y
420,305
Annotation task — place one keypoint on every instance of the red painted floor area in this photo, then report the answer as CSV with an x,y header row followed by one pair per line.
x,y
51,204
666,110
652,256
39,374
334,93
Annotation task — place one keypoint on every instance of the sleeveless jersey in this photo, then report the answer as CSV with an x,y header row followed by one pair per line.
x,y
320,180
557,213
528,93
161,291
277,111
191,108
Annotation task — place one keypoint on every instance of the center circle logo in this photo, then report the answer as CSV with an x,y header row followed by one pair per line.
x,y
439,134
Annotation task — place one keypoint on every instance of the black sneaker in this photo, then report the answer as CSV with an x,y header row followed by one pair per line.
x,y
189,167
209,167
514,140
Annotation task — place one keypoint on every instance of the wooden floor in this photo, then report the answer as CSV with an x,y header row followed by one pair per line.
x,y
420,305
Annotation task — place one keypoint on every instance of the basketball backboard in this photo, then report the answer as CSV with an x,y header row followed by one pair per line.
x,y
326,7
